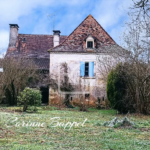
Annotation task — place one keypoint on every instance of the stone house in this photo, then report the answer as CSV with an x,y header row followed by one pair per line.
x,y
79,51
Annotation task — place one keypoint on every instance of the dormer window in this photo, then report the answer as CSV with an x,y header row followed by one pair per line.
x,y
90,42
24,40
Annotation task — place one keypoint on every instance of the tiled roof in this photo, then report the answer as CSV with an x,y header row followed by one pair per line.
x,y
41,63
1,63
31,45
76,40
34,47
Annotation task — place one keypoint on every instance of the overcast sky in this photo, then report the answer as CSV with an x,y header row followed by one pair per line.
x,y
31,16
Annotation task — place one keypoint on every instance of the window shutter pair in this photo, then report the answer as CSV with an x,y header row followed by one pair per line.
x,y
82,69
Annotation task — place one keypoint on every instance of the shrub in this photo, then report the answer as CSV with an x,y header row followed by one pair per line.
x,y
98,103
82,106
117,90
102,103
29,97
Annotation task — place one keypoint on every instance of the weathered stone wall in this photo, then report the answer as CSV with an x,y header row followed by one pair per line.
x,y
94,86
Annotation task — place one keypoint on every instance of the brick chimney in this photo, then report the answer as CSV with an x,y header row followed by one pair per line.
x,y
13,35
56,37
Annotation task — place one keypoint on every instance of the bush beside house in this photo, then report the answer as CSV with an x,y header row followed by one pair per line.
x,y
29,97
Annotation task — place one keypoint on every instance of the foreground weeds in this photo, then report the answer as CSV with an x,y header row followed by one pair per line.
x,y
92,136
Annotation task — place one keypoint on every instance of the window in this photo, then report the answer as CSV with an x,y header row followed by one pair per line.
x,y
87,96
103,98
86,73
89,44
87,69
1,70
24,40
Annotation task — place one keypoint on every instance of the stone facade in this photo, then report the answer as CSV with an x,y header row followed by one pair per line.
x,y
74,51
93,86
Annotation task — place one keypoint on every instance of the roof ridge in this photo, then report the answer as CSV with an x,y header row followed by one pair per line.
x,y
34,34
39,34
102,28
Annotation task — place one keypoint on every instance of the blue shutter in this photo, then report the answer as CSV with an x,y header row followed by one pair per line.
x,y
91,69
82,67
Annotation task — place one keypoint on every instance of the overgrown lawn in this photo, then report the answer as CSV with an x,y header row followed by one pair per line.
x,y
92,136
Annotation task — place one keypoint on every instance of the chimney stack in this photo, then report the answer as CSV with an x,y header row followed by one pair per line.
x,y
13,35
56,37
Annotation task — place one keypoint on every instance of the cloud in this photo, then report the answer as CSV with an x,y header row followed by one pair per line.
x,y
4,39
111,15
31,16
11,10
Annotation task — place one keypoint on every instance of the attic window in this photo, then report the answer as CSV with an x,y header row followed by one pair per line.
x,y
90,44
24,40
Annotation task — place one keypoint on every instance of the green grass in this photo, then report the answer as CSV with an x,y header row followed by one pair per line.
x,y
93,136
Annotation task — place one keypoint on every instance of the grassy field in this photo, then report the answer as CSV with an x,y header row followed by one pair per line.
x,y
16,134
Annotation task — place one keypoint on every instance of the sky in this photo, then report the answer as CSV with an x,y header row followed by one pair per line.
x,y
32,16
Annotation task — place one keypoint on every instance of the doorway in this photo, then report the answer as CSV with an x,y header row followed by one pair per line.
x,y
45,94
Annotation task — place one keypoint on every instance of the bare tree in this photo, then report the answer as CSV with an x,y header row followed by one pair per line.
x,y
135,60
137,66
18,73
142,5
66,85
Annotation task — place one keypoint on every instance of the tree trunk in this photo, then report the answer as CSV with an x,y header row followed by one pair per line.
x,y
25,108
